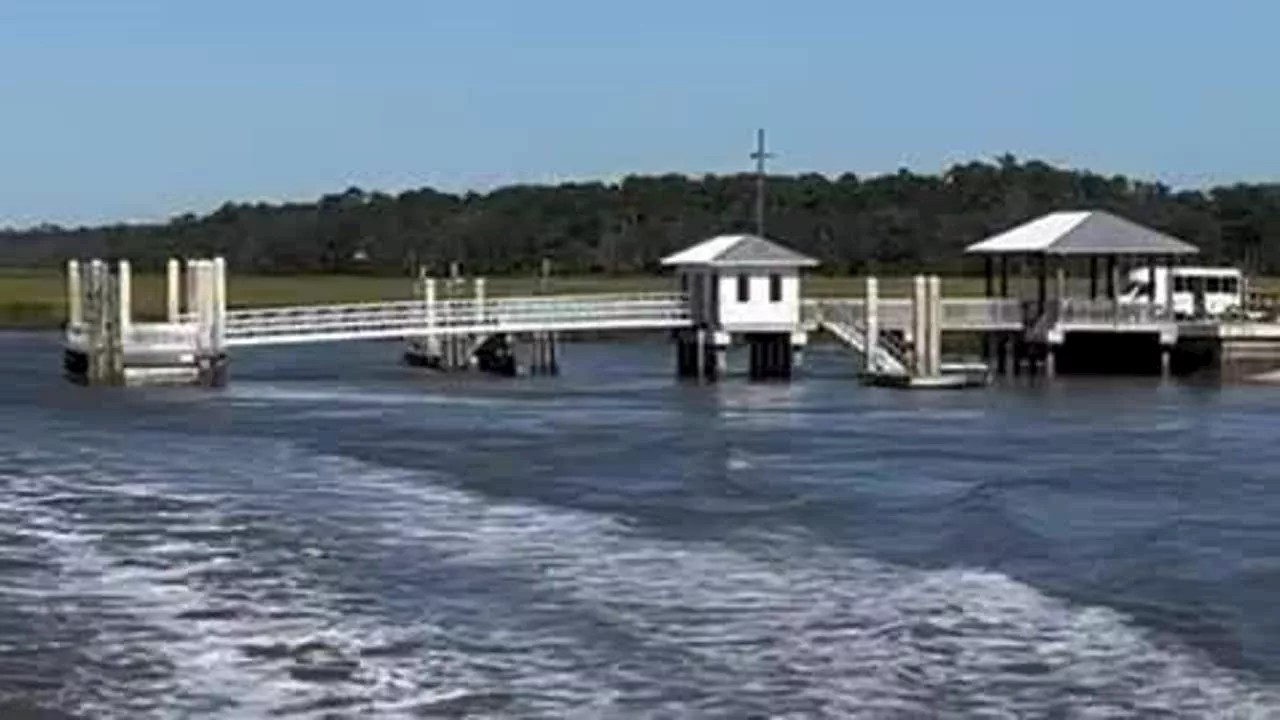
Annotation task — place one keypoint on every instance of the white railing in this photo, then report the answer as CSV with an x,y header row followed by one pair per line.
x,y
161,336
1073,311
842,320
981,314
957,313
266,326
144,337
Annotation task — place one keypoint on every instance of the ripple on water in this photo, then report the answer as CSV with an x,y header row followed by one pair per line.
x,y
258,600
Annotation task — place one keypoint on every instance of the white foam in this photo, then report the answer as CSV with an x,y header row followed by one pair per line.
x,y
784,624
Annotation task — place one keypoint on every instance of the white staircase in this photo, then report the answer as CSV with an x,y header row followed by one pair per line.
x,y
840,319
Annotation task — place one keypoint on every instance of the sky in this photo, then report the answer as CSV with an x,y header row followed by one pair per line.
x,y
138,110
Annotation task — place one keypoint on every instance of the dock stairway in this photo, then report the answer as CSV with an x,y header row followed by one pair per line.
x,y
840,319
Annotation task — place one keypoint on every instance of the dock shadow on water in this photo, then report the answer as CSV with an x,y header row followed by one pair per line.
x,y
375,542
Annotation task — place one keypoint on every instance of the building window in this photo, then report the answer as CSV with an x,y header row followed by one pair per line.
x,y
744,289
775,288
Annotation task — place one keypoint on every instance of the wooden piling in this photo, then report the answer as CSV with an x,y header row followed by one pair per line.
x,y
173,290
919,325
75,295
871,321
934,322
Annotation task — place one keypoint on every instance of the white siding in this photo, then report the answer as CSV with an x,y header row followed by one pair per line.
x,y
758,312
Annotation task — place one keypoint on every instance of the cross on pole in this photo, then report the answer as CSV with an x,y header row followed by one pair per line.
x,y
760,156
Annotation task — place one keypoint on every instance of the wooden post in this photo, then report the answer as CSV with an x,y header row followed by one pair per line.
x,y
871,310
700,354
1168,287
1151,281
432,344
920,349
1113,280
205,294
1041,283
98,326
1093,277
173,290
122,318
124,293
75,295
1004,276
934,320
192,292
219,291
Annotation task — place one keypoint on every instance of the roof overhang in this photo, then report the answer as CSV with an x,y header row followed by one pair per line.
x,y
739,251
1081,233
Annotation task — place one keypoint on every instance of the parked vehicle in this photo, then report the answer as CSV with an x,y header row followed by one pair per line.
x,y
1197,291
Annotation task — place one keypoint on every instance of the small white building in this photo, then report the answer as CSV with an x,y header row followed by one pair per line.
x,y
743,287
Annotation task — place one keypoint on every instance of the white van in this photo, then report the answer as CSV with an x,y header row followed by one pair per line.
x,y
1219,289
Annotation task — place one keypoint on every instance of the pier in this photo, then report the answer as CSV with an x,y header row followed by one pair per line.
x,y
733,292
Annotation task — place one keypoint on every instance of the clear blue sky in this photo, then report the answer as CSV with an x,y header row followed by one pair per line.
x,y
140,109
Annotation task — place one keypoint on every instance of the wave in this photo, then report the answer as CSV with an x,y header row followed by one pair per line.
x,y
274,580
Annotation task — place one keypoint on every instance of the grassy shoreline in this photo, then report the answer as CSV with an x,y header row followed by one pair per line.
x,y
36,299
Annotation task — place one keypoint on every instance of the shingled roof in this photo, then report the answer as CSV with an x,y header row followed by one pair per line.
x,y
1088,232
739,250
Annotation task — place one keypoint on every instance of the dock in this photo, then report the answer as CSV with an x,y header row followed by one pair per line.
x,y
732,293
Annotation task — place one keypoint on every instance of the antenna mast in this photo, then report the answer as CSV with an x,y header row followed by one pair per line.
x,y
760,156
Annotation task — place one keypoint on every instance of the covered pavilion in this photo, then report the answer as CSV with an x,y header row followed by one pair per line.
x,y
1069,239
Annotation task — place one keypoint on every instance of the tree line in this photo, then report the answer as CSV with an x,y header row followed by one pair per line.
x,y
898,222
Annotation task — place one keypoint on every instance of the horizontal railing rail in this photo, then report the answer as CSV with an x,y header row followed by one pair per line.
x,y
411,318
1079,311
957,313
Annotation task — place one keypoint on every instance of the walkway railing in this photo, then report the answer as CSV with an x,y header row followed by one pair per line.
x,y
409,318
957,313
1078,311
842,320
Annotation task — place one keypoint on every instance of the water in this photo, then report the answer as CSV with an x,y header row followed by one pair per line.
x,y
335,535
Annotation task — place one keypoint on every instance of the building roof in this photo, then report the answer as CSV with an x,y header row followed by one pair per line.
x,y
1089,232
737,250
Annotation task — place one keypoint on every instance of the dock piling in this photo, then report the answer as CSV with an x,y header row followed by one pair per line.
x,y
934,326
173,292
919,326
75,295
871,320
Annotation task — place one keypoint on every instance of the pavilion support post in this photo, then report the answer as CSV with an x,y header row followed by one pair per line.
x,y
1004,276
1151,280
1168,286
989,339
1093,277
1042,281
1113,280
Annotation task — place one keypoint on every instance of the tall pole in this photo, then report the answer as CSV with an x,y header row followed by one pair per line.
x,y
760,156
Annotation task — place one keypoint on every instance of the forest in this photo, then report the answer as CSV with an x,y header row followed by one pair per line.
x,y
891,223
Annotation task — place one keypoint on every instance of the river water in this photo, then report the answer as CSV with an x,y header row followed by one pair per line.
x,y
336,535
